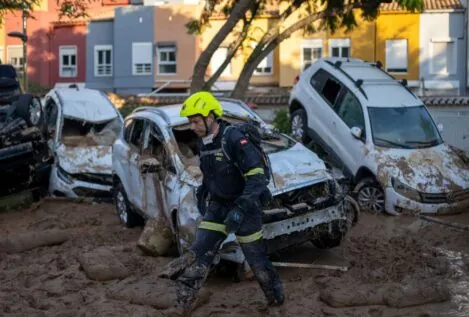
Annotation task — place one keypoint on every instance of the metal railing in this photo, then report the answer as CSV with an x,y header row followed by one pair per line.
x,y
167,83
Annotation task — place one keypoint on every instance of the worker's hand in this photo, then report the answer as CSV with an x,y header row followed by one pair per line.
x,y
201,195
233,220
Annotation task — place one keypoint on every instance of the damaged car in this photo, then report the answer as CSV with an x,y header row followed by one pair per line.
x,y
82,125
25,159
381,136
157,172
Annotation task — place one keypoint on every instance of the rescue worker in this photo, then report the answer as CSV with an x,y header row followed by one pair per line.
x,y
236,194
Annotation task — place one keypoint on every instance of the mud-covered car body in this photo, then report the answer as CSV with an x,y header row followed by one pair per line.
x,y
382,136
25,159
82,125
306,197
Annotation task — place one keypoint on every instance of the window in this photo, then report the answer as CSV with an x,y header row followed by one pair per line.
x,y
265,67
142,59
103,60
1,54
311,50
167,59
443,57
396,56
217,60
339,47
15,57
68,61
136,134
350,111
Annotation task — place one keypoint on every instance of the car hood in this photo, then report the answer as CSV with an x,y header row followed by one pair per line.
x,y
95,159
295,168
430,170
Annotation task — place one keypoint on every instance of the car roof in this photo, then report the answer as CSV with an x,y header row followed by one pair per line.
x,y
230,107
86,104
375,85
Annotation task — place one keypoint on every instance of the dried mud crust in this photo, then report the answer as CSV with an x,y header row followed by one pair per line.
x,y
99,271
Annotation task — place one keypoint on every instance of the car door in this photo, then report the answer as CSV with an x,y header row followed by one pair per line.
x,y
347,115
319,106
328,90
153,196
135,142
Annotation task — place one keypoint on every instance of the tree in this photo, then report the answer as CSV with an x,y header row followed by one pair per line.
x,y
296,15
67,8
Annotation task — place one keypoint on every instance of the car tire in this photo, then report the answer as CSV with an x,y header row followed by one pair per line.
x,y
370,196
127,216
299,126
329,237
30,112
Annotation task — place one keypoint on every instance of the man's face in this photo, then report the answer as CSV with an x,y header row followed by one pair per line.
x,y
198,125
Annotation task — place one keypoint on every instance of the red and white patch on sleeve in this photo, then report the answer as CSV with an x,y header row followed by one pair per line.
x,y
243,141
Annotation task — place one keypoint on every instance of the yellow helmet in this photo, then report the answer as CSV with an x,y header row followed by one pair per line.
x,y
201,103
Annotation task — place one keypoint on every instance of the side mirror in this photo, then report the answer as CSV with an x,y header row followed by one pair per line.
x,y
150,166
356,132
440,127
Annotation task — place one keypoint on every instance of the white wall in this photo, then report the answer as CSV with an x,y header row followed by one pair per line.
x,y
438,30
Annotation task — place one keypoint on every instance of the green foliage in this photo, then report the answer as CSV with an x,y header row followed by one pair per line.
x,y
67,8
281,121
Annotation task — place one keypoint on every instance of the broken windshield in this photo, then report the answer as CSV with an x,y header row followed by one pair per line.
x,y
82,133
403,127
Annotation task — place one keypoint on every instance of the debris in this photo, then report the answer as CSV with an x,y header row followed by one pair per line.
x,y
311,266
446,223
156,238
101,265
31,240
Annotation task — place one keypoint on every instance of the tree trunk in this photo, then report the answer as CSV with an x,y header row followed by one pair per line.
x,y
231,53
254,59
200,68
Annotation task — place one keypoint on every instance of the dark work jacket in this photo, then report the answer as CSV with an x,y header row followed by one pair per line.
x,y
225,181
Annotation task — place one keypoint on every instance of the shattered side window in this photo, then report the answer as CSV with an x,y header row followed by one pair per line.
x,y
127,129
51,116
137,133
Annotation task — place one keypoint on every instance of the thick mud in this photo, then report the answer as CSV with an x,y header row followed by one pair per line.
x,y
76,259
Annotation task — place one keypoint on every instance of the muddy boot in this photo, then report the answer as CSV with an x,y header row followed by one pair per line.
x,y
174,268
186,300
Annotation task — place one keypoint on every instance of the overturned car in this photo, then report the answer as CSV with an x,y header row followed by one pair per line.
x,y
157,172
25,160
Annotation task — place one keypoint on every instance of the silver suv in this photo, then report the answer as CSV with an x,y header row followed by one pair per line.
x,y
157,172
381,136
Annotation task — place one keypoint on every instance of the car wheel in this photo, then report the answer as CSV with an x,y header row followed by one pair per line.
x,y
299,126
329,235
30,110
370,196
125,213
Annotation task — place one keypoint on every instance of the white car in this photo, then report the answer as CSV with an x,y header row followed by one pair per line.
x,y
82,125
157,172
381,135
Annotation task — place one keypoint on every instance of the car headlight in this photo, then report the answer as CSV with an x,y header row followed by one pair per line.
x,y
405,190
63,175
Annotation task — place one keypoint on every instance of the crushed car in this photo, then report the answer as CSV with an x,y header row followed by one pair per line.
x,y
82,125
157,172
381,135
25,159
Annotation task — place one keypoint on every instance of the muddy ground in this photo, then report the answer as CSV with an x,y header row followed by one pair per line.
x,y
94,268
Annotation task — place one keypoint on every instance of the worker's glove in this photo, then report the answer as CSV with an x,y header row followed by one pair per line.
x,y
201,195
233,220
